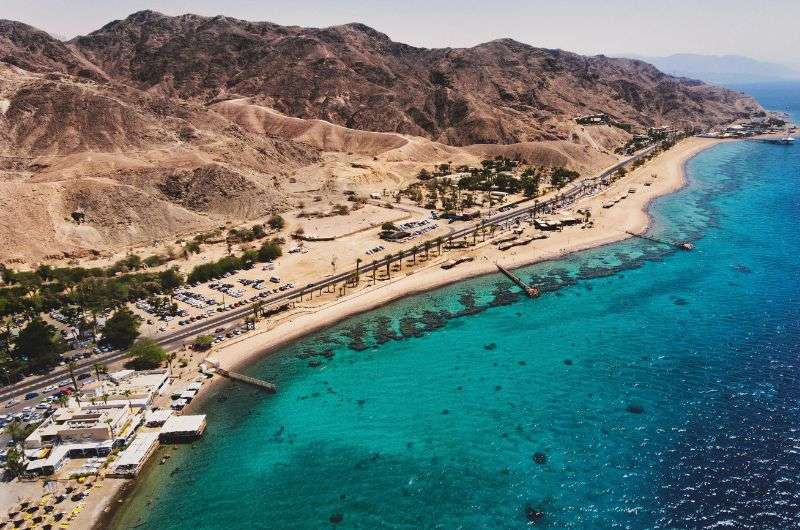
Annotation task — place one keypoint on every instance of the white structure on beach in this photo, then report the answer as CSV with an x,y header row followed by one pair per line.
x,y
135,456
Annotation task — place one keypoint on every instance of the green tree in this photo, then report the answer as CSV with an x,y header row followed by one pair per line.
x,y
18,431
71,368
270,251
122,328
170,279
99,369
39,344
530,185
15,462
203,342
146,354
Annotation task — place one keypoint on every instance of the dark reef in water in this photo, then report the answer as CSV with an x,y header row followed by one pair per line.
x,y
533,515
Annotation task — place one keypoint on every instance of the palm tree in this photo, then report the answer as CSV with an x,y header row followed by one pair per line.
x,y
257,309
62,400
170,358
358,270
439,246
427,247
400,260
388,265
374,270
105,397
127,393
414,254
17,430
99,369
71,368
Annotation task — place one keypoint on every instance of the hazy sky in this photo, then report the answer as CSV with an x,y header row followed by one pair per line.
x,y
763,29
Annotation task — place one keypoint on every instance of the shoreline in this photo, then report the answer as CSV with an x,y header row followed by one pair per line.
x,y
284,329
251,347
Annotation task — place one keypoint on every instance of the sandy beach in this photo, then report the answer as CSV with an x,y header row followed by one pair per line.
x,y
660,176
610,225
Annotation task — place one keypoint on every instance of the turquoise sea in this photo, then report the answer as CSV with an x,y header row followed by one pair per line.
x,y
647,388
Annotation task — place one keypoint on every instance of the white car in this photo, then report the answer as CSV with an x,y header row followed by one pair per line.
x,y
50,388
11,403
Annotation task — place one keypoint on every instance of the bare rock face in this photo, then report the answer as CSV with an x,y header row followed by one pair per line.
x,y
498,92
217,189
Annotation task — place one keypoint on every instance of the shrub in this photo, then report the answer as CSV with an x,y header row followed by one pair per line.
x,y
146,354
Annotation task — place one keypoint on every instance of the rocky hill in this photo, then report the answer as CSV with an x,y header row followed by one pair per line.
x,y
154,126
499,92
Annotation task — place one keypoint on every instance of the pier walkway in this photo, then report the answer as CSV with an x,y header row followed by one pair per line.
x,y
531,290
683,245
264,385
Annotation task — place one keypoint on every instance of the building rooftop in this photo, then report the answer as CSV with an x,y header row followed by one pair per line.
x,y
178,425
138,450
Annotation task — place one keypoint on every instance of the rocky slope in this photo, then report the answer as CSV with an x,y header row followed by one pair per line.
x,y
499,92
155,126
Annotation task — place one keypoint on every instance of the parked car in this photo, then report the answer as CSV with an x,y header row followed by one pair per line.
x,y
31,395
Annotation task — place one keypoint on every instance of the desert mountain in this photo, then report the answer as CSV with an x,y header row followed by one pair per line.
x,y
155,126
499,92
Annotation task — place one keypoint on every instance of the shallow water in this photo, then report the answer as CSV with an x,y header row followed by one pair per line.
x,y
659,386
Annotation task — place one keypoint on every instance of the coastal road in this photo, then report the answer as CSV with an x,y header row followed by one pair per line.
x,y
180,337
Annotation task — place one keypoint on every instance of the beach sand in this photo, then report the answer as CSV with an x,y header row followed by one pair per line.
x,y
664,174
610,225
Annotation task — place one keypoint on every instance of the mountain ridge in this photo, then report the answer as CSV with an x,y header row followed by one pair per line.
x,y
722,69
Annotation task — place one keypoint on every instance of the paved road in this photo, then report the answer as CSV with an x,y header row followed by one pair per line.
x,y
177,338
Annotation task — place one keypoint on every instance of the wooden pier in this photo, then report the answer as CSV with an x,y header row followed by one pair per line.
x,y
531,290
683,245
264,385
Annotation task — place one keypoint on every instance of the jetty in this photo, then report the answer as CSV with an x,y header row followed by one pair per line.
x,y
264,385
683,245
786,140
531,290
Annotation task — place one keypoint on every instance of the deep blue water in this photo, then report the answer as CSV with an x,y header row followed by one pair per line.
x,y
780,95
659,386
